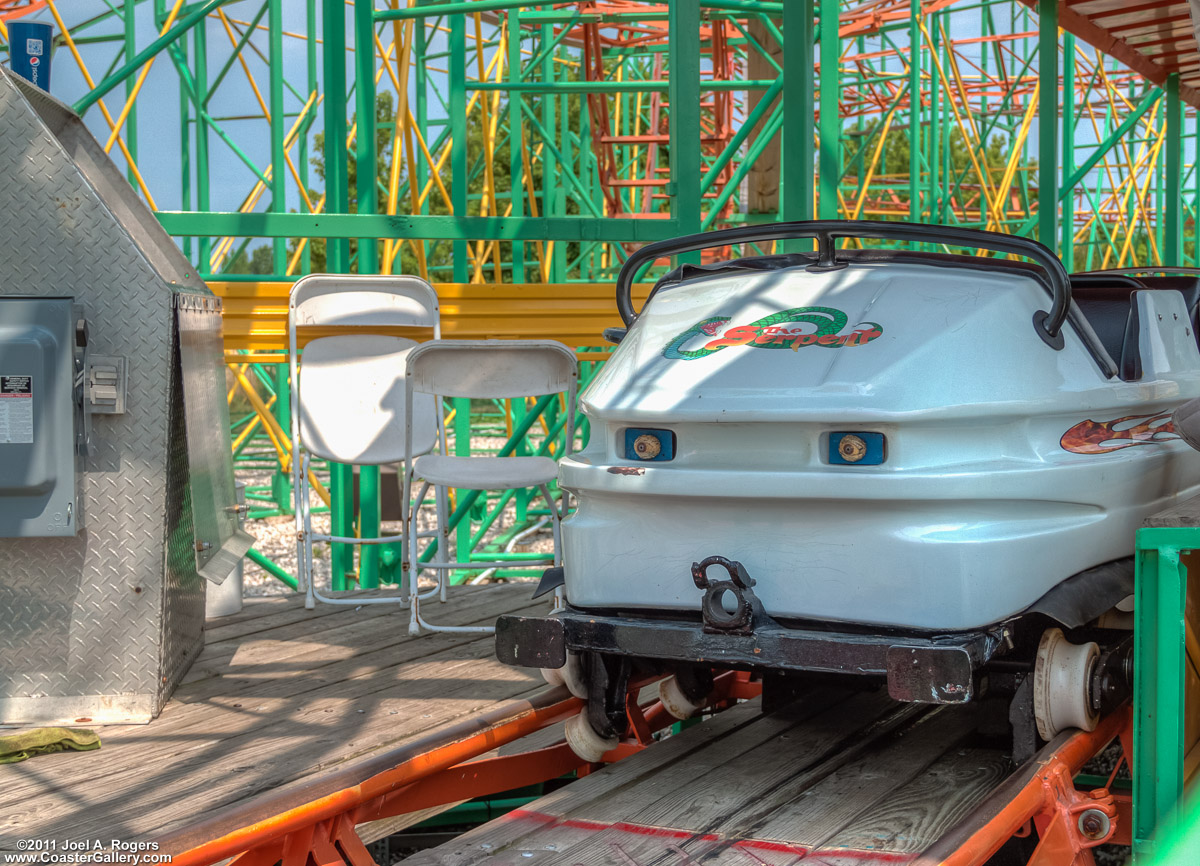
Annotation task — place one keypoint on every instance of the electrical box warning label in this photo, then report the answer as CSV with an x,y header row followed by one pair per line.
x,y
16,410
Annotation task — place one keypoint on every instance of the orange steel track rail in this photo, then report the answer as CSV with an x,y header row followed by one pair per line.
x,y
317,822
1043,793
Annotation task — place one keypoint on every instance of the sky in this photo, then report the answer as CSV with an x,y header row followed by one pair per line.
x,y
159,125
159,112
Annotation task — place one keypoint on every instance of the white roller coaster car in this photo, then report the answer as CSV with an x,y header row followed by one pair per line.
x,y
906,465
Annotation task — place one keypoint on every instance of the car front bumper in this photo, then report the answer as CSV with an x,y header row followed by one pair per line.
x,y
920,669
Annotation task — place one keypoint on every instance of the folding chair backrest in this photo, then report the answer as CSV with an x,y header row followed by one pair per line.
x,y
492,368
342,300
351,400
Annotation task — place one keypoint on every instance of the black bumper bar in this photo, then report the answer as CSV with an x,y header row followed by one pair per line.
x,y
938,670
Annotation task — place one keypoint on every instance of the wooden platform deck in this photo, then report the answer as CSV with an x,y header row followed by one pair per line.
x,y
279,695
835,780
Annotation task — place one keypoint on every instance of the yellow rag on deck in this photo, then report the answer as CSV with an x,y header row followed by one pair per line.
x,y
18,747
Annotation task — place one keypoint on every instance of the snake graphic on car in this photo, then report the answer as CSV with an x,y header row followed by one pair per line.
x,y
765,333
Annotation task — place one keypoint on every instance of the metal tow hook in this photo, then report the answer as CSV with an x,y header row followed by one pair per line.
x,y
746,607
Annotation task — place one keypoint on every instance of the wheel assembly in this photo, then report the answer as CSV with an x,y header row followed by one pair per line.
x,y
569,675
686,692
585,742
1062,679
674,700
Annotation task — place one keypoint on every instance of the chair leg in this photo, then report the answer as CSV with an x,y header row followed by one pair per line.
x,y
405,509
304,573
441,495
414,589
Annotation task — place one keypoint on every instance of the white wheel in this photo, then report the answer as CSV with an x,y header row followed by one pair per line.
x,y
552,676
572,675
1061,684
585,742
674,701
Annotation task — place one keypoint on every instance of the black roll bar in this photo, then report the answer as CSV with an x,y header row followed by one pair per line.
x,y
1047,323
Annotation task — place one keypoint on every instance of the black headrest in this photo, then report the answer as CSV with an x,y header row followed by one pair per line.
x,y
1115,287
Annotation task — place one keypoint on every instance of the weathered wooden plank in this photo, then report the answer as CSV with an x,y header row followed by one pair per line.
x,y
612,782
219,633
284,718
342,629
212,771
1181,514
686,817
809,814
231,706
567,820
861,780
918,814
740,770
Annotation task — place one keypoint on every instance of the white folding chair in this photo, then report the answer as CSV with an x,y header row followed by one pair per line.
x,y
348,396
485,369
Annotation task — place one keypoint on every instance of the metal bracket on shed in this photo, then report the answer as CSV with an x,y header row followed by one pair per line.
x,y
106,384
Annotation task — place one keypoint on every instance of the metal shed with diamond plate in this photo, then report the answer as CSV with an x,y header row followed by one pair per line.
x,y
101,579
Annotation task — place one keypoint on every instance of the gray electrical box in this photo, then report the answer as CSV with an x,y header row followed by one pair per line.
x,y
40,412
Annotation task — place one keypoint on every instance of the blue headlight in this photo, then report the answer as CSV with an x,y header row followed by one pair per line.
x,y
856,449
649,446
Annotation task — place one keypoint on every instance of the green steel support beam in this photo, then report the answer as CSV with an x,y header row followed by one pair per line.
x,y
1067,253
465,7
368,256
458,137
684,95
796,193
432,227
914,112
516,138
271,568
458,194
281,482
1160,656
182,26
583,87
185,156
936,133
1172,187
312,64
341,478
830,124
1047,169
1148,99
236,53
203,201
131,122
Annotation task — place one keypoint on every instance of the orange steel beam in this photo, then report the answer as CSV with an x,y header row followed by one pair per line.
x,y
319,819
275,816
445,767
1042,792
1092,28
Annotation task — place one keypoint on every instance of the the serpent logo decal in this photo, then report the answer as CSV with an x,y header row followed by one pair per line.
x,y
783,330
1104,437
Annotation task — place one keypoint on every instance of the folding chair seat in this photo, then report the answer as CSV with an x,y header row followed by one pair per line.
x,y
485,473
485,369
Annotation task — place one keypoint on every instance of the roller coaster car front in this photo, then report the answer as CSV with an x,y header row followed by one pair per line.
x,y
905,465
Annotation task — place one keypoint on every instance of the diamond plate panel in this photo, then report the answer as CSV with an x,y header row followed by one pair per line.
x,y
220,541
183,600
115,612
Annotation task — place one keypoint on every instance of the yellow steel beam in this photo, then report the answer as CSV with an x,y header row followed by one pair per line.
x,y
255,314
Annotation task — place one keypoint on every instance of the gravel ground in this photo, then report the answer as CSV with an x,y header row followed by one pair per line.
x,y
276,536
